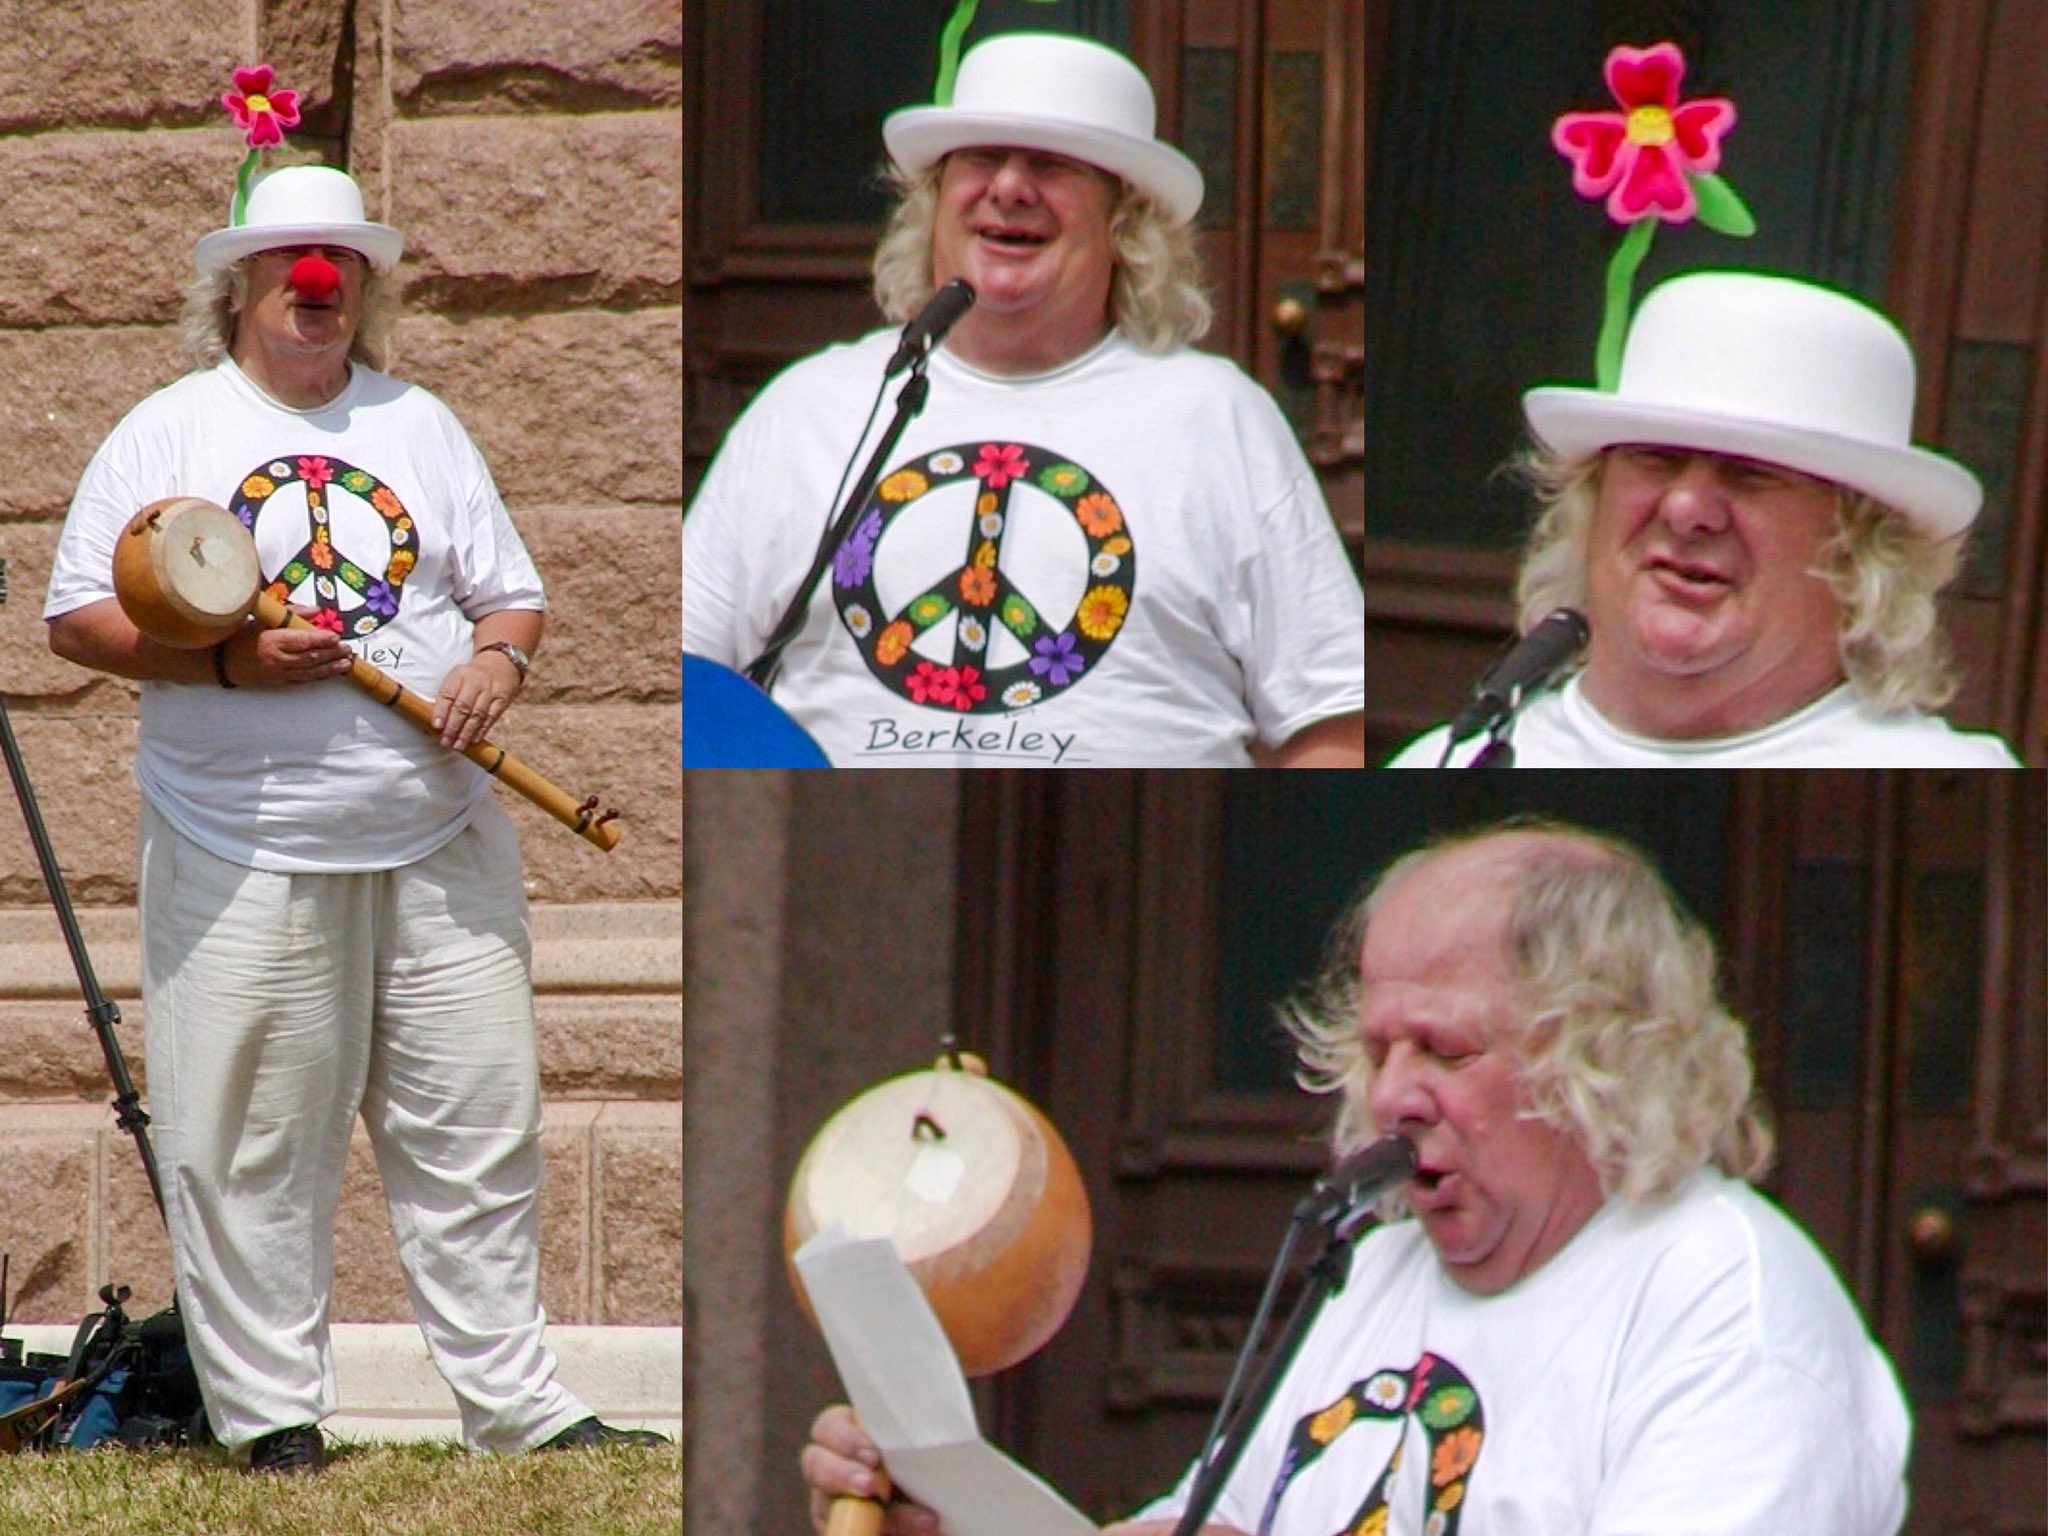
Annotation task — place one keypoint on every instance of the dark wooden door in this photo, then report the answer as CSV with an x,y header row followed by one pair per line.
x,y
783,141
1870,149
1884,933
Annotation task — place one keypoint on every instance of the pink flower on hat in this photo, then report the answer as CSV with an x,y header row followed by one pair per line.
x,y
1643,158
260,112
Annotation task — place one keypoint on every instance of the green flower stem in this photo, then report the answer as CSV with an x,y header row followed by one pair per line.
x,y
1621,277
240,211
949,50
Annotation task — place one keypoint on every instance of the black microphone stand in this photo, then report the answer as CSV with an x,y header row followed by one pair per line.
x,y
910,399
1323,1279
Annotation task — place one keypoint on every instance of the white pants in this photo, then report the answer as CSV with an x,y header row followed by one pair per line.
x,y
276,1005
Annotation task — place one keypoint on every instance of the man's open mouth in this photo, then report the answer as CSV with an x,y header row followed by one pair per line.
x,y
1012,239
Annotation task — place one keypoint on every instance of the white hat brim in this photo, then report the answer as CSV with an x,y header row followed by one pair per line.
x,y
379,244
1936,493
918,137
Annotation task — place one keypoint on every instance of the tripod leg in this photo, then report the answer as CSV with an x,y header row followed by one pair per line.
x,y
100,1009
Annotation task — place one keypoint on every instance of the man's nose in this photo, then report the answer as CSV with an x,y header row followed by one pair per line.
x,y
1397,1094
1013,181
1694,501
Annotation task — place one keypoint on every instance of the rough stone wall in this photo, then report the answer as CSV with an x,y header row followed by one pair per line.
x,y
530,152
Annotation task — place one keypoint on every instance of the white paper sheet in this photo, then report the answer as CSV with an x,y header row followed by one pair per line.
x,y
906,1387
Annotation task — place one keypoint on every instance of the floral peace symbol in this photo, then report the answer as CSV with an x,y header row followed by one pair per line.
x,y
374,598
979,595
1436,1395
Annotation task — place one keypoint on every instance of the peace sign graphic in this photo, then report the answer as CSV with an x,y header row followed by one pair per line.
x,y
1440,1399
976,638
373,600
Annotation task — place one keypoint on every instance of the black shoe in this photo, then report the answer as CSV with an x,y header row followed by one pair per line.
x,y
585,1434
297,1451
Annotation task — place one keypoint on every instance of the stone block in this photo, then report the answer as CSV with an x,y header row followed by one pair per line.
x,y
581,409
614,583
566,1193
69,262
630,756
142,61
610,1047
81,768
66,388
579,54
640,1214
53,1053
540,211
46,1209
34,672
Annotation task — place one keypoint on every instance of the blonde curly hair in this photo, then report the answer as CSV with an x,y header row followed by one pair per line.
x,y
1624,1042
1886,574
1158,294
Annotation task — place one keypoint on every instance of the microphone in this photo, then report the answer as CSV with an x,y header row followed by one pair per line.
x,y
930,325
1361,1177
1530,664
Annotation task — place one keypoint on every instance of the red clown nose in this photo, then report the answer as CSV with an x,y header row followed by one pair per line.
x,y
314,277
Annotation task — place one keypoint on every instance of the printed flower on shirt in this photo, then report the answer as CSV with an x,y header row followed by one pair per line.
x,y
1454,1456
892,643
1102,612
928,610
997,467
968,689
1332,1421
855,558
317,472
256,487
927,683
1099,514
1064,479
904,485
1056,660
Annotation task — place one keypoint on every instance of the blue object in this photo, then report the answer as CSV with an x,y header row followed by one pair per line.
x,y
729,723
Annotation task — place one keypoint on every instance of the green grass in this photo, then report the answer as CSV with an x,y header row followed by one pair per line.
x,y
367,1490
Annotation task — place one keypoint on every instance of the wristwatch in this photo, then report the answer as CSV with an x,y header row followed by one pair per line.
x,y
513,654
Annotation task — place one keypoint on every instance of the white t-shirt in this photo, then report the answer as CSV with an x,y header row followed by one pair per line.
x,y
374,507
1561,729
1127,561
1691,1365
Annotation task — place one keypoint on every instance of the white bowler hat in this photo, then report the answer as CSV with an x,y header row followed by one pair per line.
x,y
301,205
1774,369
1068,95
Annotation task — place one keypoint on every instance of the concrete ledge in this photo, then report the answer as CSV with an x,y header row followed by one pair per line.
x,y
631,1378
